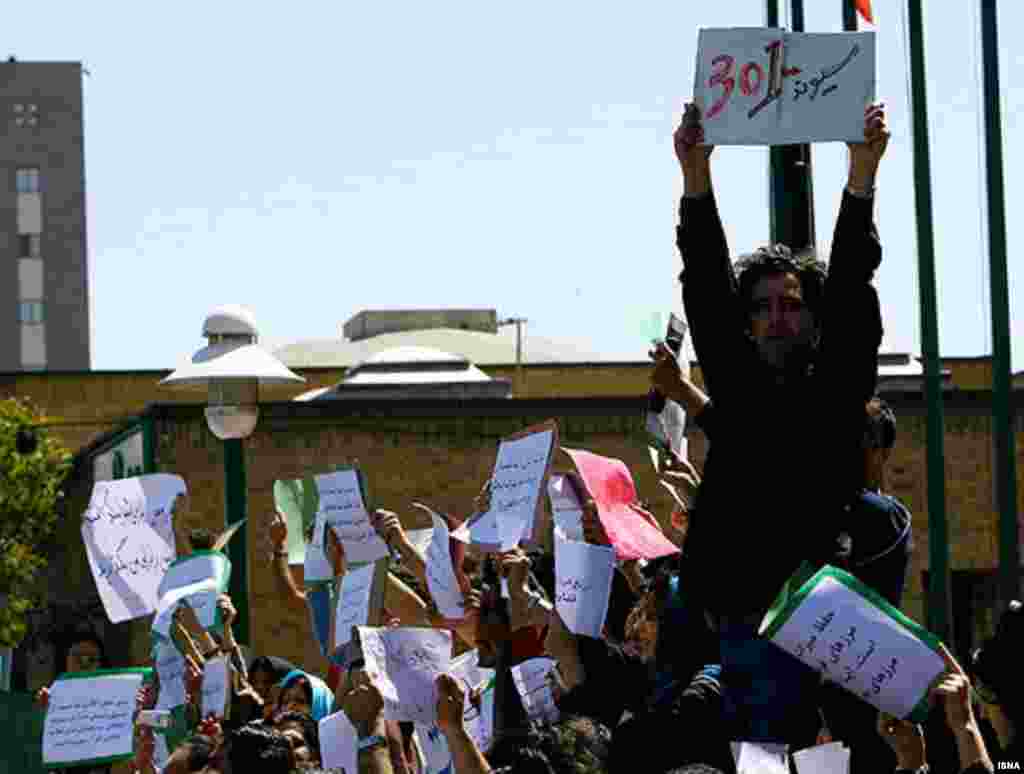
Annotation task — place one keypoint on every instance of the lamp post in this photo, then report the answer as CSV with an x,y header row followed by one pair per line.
x,y
519,322
231,368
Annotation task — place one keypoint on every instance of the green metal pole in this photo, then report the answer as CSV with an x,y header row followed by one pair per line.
x,y
939,610
235,489
1004,469
849,16
790,190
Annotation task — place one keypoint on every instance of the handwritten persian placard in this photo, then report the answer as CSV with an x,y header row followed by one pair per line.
x,y
404,664
856,639
170,671
441,580
566,508
533,681
360,597
129,540
516,512
343,506
583,584
478,709
199,579
216,686
338,744
761,86
90,717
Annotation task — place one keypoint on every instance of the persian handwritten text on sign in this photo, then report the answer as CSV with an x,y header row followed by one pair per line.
x,y
760,86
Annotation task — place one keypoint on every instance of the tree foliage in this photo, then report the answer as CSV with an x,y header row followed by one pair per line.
x,y
33,468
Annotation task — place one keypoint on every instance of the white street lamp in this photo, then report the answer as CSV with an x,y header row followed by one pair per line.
x,y
231,367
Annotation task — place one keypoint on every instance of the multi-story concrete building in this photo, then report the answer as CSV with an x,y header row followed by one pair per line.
x,y
44,293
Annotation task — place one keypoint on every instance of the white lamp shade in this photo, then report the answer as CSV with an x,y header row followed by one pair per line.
x,y
229,422
231,360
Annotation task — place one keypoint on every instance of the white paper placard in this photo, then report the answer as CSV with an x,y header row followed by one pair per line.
x,y
316,566
89,717
338,744
761,86
441,580
566,507
859,646
435,749
532,679
198,578
404,664
760,758
353,603
216,686
341,503
160,751
832,758
583,584
170,670
129,541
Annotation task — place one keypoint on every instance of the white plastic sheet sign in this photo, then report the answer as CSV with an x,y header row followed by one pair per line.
x,y
533,681
90,717
344,509
583,584
338,744
404,664
216,686
835,624
199,579
441,579
129,540
761,86
566,508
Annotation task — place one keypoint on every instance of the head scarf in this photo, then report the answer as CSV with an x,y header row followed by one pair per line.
x,y
323,698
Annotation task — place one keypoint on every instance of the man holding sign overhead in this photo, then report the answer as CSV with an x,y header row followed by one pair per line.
x,y
789,358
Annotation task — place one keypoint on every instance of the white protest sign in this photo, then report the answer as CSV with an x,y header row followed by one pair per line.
x,y
832,758
420,539
566,508
216,686
760,758
170,670
761,86
478,719
516,485
435,749
316,567
90,717
404,664
338,744
160,751
583,584
198,578
129,540
343,508
835,624
532,679
354,602
441,580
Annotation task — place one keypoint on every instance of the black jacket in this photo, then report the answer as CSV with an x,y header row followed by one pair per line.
x,y
784,459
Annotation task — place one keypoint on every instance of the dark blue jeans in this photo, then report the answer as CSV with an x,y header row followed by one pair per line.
x,y
769,695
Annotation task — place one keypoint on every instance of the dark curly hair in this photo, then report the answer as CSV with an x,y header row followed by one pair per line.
x,y
574,745
778,259
256,747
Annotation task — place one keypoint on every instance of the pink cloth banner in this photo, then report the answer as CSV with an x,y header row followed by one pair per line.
x,y
609,482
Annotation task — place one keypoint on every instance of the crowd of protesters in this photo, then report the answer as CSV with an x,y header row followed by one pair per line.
x,y
795,473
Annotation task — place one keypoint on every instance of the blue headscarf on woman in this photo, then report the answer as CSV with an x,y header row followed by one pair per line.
x,y
322,698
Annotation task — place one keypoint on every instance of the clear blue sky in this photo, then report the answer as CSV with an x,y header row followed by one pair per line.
x,y
323,158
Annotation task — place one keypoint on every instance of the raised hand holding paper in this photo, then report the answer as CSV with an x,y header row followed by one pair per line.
x,y
835,624
532,679
90,717
441,580
343,507
520,471
583,584
129,540
609,482
404,664
759,86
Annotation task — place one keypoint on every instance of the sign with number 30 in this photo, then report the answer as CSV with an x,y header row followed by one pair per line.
x,y
759,86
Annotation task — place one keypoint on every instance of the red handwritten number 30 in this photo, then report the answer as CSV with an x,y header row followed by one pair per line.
x,y
721,77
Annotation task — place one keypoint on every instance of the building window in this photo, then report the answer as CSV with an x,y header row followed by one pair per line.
x,y
26,114
30,312
28,246
28,180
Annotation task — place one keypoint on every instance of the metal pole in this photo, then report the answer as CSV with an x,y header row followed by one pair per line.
x,y
519,354
1004,469
235,495
939,610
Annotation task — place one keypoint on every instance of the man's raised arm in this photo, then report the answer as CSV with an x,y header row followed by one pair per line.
x,y
709,285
